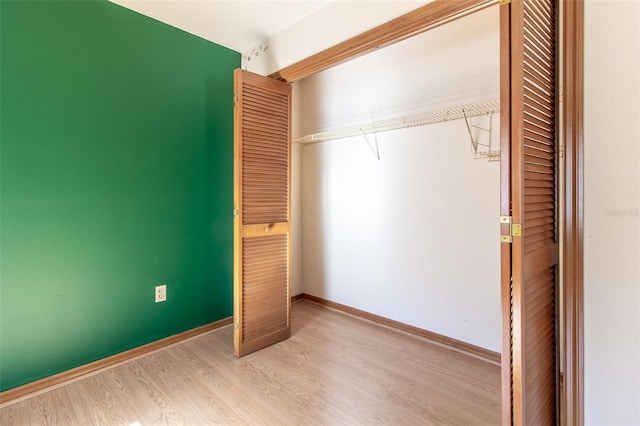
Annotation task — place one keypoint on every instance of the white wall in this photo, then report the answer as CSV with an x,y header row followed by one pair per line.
x,y
612,213
345,18
413,236
335,22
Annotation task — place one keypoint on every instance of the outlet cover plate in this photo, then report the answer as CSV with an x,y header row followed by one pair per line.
x,y
161,293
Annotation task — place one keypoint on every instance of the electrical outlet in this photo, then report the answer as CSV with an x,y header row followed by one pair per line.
x,y
161,293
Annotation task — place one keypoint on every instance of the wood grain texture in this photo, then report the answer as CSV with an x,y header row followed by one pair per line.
x,y
418,21
265,290
573,249
262,228
451,343
535,255
265,155
505,209
88,369
335,369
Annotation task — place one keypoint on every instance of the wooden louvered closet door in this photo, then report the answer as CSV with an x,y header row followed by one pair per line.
x,y
262,239
530,161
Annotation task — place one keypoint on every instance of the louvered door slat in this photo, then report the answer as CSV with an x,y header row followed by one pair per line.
x,y
272,97
537,52
545,11
540,199
260,103
258,137
534,27
266,127
531,339
537,77
538,221
257,176
263,150
265,158
540,158
531,221
534,101
540,184
542,226
271,152
539,116
535,190
536,152
257,111
538,176
534,138
539,214
262,301
532,207
539,127
261,100
537,168
266,134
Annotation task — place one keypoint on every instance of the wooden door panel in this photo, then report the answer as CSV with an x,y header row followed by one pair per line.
x,y
531,288
262,257
265,271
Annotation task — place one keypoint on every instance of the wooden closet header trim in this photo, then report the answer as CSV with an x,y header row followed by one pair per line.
x,y
420,20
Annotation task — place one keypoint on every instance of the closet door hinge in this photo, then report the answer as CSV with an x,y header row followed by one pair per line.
x,y
235,212
515,229
503,2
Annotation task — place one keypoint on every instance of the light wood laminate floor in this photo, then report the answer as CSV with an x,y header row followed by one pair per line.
x,y
336,369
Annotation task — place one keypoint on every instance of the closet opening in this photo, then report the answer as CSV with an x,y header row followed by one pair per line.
x,y
399,183
527,88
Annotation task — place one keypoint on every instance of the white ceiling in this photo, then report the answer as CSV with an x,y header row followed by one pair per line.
x,y
239,25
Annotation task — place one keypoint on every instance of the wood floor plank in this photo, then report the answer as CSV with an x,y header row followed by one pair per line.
x,y
335,369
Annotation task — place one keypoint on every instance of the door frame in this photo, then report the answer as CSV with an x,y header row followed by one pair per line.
x,y
572,220
571,204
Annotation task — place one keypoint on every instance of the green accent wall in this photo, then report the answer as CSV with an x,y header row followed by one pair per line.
x,y
116,176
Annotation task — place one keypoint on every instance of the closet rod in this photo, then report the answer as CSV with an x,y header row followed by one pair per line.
x,y
419,119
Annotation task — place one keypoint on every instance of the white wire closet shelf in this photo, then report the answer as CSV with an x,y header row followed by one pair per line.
x,y
419,119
